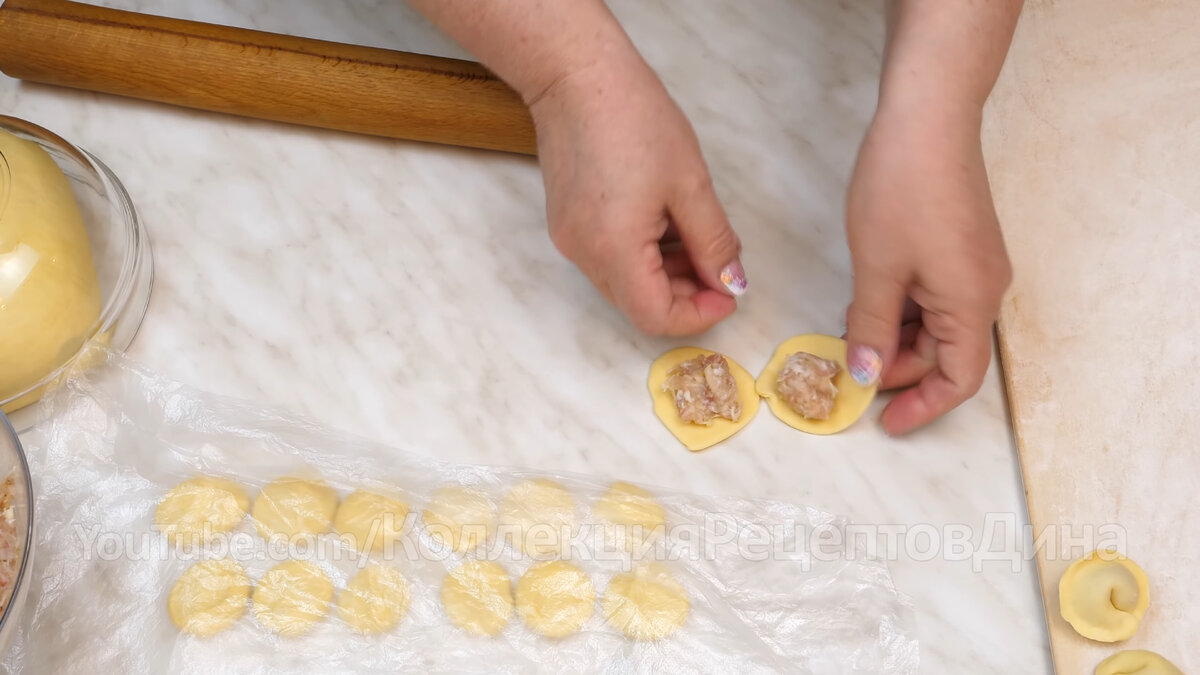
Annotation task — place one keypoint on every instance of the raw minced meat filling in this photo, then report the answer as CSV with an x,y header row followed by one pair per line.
x,y
10,544
805,383
704,389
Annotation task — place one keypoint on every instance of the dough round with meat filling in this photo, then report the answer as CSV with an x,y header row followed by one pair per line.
x,y
555,598
477,596
209,597
291,597
200,507
698,436
292,506
374,600
647,603
852,399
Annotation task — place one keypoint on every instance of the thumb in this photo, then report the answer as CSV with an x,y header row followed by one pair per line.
x,y
873,325
710,242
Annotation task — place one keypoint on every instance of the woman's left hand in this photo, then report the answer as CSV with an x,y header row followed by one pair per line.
x,y
930,267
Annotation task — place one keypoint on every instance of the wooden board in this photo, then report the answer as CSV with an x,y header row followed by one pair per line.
x,y
1093,145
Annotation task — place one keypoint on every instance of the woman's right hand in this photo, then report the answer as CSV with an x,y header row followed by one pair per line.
x,y
629,198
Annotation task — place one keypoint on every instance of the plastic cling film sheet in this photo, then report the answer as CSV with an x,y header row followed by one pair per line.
x,y
141,488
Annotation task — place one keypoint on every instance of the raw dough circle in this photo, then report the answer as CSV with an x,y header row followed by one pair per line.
x,y
209,597
200,507
555,598
374,601
697,436
852,399
370,521
1104,596
647,603
631,515
1137,662
293,506
461,516
291,597
478,598
538,516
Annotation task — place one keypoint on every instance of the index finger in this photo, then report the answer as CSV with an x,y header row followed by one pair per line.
x,y
659,304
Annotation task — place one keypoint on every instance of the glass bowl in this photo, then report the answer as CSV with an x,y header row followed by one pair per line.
x,y
120,253
16,542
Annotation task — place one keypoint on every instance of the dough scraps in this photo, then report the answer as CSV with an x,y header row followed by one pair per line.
x,y
631,515
209,597
1137,662
374,600
461,516
293,506
538,517
200,507
647,603
555,598
1104,596
478,597
699,436
291,597
369,521
852,399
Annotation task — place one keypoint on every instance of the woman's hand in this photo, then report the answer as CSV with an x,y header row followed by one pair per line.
x,y
630,201
930,267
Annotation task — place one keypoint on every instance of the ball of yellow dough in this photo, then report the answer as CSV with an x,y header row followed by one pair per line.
x,y
555,598
200,507
630,514
460,516
291,597
291,506
1104,596
374,601
209,597
49,293
1137,662
370,521
477,597
646,604
538,516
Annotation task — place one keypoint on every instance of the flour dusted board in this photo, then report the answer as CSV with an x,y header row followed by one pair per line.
x,y
1093,145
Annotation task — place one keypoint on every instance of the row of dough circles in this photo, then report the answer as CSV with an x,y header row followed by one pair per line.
x,y
851,402
461,517
553,598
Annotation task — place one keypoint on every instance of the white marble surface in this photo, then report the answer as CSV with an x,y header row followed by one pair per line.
x,y
410,294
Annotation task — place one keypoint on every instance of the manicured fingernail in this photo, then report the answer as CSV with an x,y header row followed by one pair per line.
x,y
865,365
734,278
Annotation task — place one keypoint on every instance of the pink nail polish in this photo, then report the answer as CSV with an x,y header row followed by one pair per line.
x,y
734,278
865,365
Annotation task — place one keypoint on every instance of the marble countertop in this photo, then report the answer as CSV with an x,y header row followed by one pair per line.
x,y
409,292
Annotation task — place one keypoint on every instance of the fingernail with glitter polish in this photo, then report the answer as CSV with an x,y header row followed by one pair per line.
x,y
865,365
734,278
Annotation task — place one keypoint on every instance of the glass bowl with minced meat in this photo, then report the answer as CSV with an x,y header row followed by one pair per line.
x,y
16,531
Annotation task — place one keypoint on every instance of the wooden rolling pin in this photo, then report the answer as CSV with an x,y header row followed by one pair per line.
x,y
262,75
